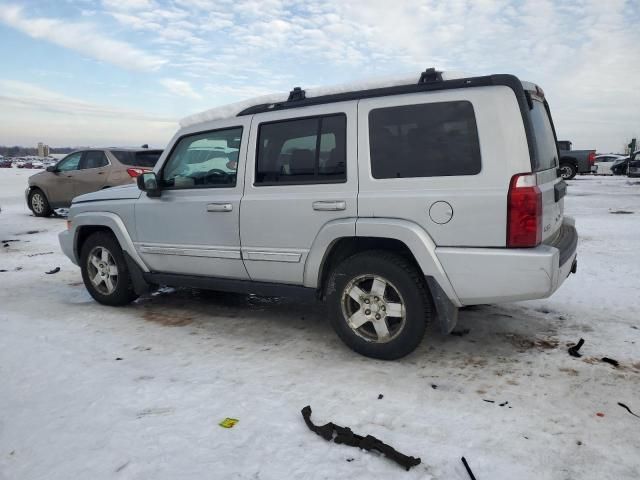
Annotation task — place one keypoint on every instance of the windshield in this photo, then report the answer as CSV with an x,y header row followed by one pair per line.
x,y
545,142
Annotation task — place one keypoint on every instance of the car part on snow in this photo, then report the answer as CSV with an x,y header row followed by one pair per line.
x,y
628,409
38,254
466,465
611,361
573,351
228,422
344,435
380,397
51,272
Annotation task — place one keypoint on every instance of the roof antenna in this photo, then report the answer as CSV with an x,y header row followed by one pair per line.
x,y
296,94
430,75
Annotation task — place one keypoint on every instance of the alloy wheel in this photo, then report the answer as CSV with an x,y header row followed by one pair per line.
x,y
102,270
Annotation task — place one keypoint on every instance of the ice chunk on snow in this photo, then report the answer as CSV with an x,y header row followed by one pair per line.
x,y
232,109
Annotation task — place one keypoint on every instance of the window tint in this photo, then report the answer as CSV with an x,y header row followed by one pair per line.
x,y
145,158
546,152
429,140
207,159
93,159
307,150
70,162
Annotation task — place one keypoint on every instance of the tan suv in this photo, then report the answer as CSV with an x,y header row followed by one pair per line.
x,y
84,172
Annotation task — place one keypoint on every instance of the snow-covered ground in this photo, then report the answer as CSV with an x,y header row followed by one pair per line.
x,y
92,392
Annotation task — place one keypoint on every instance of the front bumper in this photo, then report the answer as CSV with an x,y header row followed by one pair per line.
x,y
497,275
66,239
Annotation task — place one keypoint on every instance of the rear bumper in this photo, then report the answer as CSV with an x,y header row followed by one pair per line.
x,y
496,275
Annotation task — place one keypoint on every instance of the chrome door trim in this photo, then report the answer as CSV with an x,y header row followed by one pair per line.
x,y
271,256
232,253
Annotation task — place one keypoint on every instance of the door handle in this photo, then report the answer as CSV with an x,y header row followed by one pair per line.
x,y
330,206
219,207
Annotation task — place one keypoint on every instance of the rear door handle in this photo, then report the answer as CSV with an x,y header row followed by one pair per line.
x,y
330,206
219,207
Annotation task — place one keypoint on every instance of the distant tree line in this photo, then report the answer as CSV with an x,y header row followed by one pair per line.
x,y
16,151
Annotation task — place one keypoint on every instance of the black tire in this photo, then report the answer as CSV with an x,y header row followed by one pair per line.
x,y
123,292
405,279
39,204
568,171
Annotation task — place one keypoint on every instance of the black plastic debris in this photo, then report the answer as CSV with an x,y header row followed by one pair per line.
x,y
51,272
38,254
468,468
461,333
2,271
344,435
434,386
489,401
503,404
628,409
610,361
380,397
118,358
573,351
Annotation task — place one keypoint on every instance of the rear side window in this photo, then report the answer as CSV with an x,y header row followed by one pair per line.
x,y
427,140
545,141
146,158
305,150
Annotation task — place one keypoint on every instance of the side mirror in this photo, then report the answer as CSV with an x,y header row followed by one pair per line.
x,y
148,182
52,169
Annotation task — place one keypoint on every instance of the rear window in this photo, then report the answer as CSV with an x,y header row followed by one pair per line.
x,y
145,158
545,142
427,140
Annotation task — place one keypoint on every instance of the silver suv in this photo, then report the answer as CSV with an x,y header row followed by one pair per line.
x,y
397,205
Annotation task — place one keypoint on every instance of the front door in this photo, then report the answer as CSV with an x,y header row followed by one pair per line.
x,y
301,174
93,173
193,227
60,188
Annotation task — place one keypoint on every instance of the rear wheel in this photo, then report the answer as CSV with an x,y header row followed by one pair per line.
x,y
39,204
379,304
104,270
567,171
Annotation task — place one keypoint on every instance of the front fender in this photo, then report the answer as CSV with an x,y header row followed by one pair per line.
x,y
111,221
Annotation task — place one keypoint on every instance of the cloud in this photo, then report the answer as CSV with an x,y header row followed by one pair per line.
x,y
81,37
180,88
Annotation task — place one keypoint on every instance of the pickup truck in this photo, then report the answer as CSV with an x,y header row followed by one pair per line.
x,y
573,162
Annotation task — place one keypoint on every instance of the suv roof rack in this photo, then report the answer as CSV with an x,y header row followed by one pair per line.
x,y
296,94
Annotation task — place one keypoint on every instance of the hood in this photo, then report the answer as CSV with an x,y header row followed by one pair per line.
x,y
123,192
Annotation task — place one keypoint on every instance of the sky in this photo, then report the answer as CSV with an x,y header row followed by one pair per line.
x,y
123,72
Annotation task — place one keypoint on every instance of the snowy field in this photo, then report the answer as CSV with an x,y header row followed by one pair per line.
x,y
95,392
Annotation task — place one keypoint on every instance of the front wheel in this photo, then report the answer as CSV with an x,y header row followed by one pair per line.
x,y
379,304
39,204
104,270
567,171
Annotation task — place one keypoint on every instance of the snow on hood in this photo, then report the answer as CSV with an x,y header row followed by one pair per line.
x,y
123,192
233,109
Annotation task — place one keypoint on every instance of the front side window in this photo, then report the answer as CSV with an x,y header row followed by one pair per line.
x,y
93,159
207,159
427,140
70,162
305,150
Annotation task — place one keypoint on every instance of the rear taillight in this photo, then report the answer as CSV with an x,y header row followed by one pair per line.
x,y
592,158
135,172
524,212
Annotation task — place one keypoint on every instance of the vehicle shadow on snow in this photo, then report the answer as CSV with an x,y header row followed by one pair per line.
x,y
483,332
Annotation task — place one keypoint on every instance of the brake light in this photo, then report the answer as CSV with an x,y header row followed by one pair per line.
x,y
524,212
592,158
136,172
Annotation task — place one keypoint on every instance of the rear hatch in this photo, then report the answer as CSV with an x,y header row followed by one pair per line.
x,y
545,165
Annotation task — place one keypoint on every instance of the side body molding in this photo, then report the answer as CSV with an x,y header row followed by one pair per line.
x,y
418,241
113,222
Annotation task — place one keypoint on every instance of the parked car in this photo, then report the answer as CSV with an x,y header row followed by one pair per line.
x,y
19,162
604,163
397,205
619,167
634,165
6,163
573,162
83,172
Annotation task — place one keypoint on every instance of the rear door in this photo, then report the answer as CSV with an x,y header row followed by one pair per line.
x,y
545,166
301,174
93,173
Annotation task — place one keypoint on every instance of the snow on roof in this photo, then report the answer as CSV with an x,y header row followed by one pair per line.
x,y
233,109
